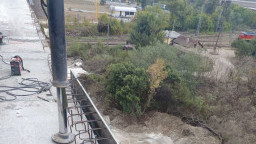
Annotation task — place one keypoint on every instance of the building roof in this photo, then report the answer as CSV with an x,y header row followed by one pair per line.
x,y
120,8
249,33
171,34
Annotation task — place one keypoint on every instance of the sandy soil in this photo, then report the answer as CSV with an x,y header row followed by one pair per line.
x,y
160,128
221,58
88,6
222,67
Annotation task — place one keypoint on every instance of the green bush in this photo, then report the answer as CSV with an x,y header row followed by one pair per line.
x,y
179,60
149,26
78,49
115,27
127,86
174,93
91,30
244,48
187,64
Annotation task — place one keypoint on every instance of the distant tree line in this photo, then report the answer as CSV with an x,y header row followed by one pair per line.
x,y
184,15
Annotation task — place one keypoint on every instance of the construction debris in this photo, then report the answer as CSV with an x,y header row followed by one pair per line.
x,y
186,42
170,35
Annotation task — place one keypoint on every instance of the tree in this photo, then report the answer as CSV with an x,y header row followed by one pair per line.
x,y
157,74
114,25
103,23
149,26
211,6
180,10
128,86
102,2
143,3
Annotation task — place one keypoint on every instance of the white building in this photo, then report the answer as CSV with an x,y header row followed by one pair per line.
x,y
123,12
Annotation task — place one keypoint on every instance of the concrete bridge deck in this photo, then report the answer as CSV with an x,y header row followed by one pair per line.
x,y
26,120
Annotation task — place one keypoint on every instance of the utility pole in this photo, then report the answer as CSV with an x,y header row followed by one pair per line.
x,y
200,21
56,22
173,26
108,31
78,19
220,22
219,18
97,8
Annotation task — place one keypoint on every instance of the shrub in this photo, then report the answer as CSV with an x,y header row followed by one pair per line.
x,y
181,61
114,25
174,93
103,23
149,26
127,86
244,48
78,49
157,74
89,31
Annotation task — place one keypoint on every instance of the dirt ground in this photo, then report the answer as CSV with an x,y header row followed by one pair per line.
x,y
85,9
221,59
160,128
209,41
152,128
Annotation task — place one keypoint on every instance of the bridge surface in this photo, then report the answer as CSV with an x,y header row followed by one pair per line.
x,y
34,119
26,120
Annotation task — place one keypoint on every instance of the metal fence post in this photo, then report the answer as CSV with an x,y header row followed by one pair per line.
x,y
56,22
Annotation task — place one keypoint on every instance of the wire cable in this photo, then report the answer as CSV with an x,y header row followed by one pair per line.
x,y
43,4
29,87
2,58
5,77
3,98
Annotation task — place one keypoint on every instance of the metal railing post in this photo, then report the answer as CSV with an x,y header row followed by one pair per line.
x,y
56,22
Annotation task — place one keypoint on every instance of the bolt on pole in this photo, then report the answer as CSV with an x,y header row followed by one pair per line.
x,y
56,23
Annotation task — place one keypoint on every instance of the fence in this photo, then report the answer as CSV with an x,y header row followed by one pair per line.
x,y
84,118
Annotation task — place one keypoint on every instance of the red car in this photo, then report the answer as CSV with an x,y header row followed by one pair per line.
x,y
247,36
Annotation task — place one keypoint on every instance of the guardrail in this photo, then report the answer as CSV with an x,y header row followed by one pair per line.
x,y
84,118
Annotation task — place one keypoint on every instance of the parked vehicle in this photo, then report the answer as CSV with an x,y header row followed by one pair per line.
x,y
247,36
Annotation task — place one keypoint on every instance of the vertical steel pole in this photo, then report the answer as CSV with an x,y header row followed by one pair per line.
x,y
62,105
56,22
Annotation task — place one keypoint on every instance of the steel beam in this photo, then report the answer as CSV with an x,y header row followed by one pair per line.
x,y
56,23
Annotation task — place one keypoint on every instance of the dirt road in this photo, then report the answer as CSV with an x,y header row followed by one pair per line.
x,y
222,66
